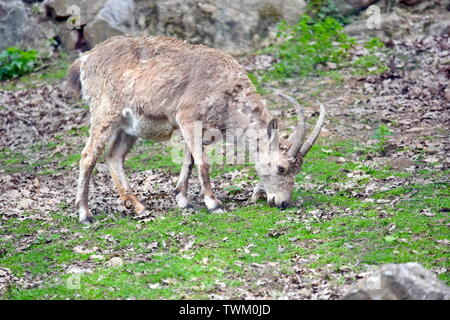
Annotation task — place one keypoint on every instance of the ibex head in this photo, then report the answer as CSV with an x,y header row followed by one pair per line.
x,y
279,161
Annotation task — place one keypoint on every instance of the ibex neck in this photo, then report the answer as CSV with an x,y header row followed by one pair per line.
x,y
248,110
257,112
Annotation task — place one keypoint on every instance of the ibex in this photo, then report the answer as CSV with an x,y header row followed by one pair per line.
x,y
149,87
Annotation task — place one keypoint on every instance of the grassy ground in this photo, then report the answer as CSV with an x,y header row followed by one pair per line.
x,y
192,256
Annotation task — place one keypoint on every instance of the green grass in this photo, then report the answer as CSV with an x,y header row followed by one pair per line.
x,y
178,256
368,65
189,275
147,155
308,44
82,131
12,161
70,161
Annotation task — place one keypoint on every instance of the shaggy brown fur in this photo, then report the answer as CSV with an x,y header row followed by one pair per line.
x,y
161,76
150,86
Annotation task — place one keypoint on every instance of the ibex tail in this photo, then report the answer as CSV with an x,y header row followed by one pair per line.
x,y
73,78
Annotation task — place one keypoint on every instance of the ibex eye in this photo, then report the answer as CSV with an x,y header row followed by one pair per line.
x,y
281,169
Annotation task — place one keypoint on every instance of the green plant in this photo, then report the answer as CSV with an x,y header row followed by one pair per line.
x,y
308,44
254,79
381,135
371,63
373,43
14,62
233,189
321,9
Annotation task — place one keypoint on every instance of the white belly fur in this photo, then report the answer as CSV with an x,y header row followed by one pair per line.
x,y
146,128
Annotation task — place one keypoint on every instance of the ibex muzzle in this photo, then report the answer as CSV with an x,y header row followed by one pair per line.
x,y
148,87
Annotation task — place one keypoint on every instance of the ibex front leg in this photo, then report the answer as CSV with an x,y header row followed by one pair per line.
x,y
211,202
115,158
91,152
258,192
209,198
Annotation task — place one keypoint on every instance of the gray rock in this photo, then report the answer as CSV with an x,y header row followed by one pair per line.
x,y
411,2
440,27
392,26
291,9
347,6
115,262
116,17
69,37
407,281
100,19
119,14
233,25
57,9
18,28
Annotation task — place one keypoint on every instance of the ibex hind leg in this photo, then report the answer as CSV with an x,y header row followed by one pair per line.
x,y
92,151
212,203
183,180
115,158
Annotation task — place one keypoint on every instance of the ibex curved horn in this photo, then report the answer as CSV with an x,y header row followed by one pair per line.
x,y
299,147
315,133
298,136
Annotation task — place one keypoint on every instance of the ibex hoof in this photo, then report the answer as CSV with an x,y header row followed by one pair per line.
x,y
87,220
84,215
183,202
128,204
218,210
188,207
214,205
142,214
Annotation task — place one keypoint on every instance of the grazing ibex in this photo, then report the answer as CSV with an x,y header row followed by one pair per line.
x,y
151,86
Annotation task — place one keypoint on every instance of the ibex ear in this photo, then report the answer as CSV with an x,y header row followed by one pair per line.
x,y
272,128
273,134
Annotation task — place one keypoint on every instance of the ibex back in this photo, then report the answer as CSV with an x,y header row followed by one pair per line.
x,y
148,87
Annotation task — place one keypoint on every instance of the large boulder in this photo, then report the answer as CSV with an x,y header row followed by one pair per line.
x,y
347,6
58,9
19,28
98,20
233,25
114,18
392,26
407,281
